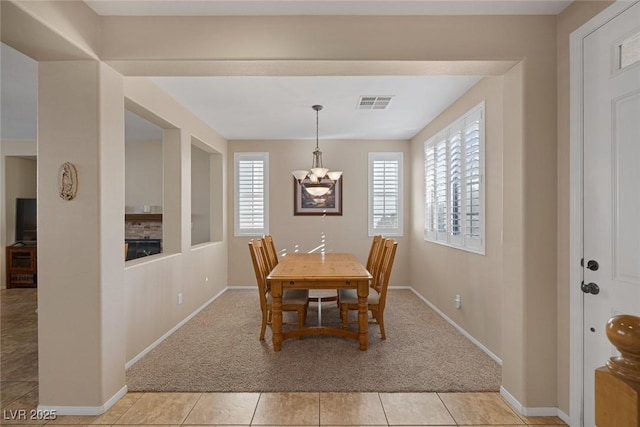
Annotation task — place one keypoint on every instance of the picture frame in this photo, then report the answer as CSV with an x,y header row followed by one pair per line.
x,y
306,204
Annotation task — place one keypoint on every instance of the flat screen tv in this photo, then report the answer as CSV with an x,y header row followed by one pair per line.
x,y
26,220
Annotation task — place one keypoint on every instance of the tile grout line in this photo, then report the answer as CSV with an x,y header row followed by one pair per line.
x,y
448,410
255,409
383,411
191,410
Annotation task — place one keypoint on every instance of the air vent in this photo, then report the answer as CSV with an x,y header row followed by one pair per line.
x,y
369,102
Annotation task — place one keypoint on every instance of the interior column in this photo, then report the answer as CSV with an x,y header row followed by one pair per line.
x,y
80,241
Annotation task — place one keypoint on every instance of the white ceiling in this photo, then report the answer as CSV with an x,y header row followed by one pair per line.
x,y
278,107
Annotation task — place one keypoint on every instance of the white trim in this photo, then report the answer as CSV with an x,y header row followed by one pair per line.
x,y
564,417
82,410
575,207
462,331
172,330
529,412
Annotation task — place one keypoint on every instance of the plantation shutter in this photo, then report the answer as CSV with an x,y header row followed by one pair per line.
x,y
455,185
441,189
385,194
430,191
251,194
473,179
454,188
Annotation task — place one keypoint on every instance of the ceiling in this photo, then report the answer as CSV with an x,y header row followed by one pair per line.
x,y
278,107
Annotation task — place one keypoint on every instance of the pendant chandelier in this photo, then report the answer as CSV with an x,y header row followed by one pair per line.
x,y
318,181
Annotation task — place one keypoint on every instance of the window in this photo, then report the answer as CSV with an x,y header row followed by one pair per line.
x,y
454,187
385,194
251,194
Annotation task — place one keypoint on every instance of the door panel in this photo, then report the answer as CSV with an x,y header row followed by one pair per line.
x,y
611,190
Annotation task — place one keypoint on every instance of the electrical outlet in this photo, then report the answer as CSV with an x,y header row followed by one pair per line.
x,y
458,301
180,298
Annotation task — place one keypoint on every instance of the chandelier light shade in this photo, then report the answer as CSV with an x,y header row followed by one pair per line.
x,y
318,180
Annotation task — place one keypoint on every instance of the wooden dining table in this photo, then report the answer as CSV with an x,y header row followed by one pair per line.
x,y
319,271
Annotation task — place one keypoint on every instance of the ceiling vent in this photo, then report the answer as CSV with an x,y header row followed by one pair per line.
x,y
369,102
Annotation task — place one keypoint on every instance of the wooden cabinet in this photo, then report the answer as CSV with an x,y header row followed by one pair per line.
x,y
22,267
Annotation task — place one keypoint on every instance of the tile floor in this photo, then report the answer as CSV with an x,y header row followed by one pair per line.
x,y
19,395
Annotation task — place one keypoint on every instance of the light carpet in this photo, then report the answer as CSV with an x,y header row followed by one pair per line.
x,y
218,350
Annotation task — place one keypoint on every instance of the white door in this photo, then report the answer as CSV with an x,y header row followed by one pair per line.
x,y
611,187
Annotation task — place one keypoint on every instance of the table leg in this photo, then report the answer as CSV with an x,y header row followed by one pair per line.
x,y
363,314
276,314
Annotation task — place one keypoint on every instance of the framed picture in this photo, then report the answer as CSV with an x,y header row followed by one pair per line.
x,y
328,204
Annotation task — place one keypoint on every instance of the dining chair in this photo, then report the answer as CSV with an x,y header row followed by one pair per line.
x,y
373,260
292,299
270,249
348,298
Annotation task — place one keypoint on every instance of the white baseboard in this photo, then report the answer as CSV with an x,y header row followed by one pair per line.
x,y
172,330
564,417
515,404
52,411
455,325
532,412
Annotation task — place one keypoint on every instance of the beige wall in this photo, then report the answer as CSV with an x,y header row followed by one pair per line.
x,y
201,164
569,20
477,278
152,284
143,174
346,233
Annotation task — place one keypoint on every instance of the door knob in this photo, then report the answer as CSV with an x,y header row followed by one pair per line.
x,y
593,265
590,288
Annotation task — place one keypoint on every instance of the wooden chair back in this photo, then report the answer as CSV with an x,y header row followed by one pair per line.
x,y
261,270
376,264
373,251
270,251
381,280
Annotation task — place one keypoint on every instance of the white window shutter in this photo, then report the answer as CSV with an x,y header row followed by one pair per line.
x,y
430,191
251,194
385,193
454,186
474,221
441,190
